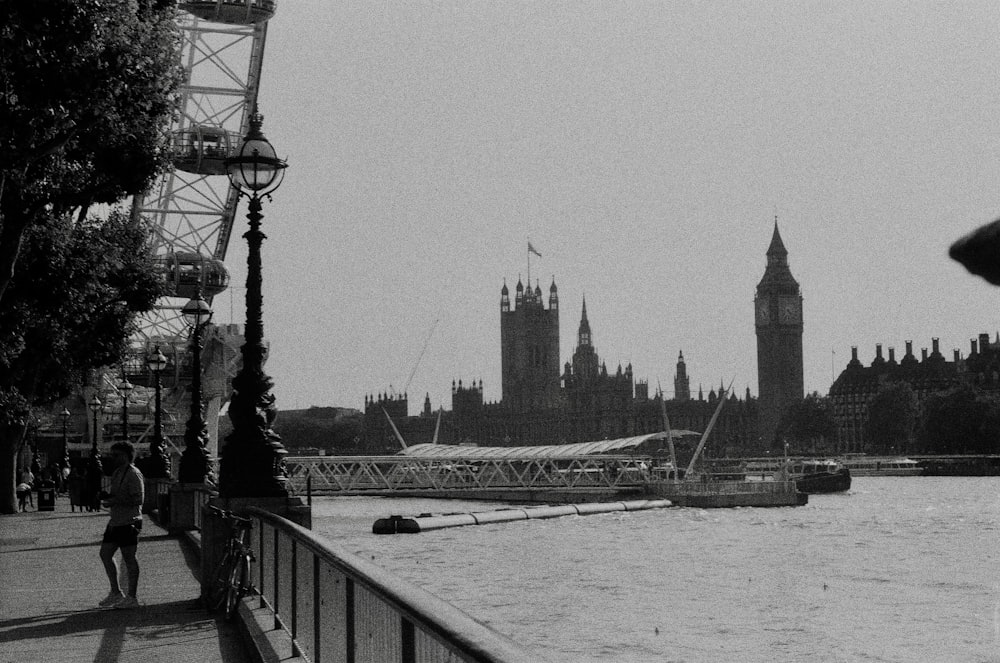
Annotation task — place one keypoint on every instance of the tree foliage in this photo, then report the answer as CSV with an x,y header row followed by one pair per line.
x,y
69,309
88,88
892,418
962,420
808,422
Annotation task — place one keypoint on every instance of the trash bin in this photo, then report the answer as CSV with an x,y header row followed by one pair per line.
x,y
47,496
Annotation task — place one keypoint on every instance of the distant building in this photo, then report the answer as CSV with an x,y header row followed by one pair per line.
x,y
857,384
540,405
779,325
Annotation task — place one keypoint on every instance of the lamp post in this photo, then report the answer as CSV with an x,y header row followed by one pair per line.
x,y
95,454
159,460
252,460
65,414
125,387
195,461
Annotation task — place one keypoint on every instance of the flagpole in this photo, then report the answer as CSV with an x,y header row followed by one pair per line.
x,y
529,264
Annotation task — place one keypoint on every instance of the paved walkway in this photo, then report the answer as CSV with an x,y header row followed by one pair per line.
x,y
51,580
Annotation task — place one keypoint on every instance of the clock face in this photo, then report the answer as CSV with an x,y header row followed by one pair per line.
x,y
788,311
762,311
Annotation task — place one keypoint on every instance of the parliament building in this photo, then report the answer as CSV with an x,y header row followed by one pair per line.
x,y
545,402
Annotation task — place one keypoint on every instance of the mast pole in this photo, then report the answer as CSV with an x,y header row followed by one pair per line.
x,y
666,427
711,424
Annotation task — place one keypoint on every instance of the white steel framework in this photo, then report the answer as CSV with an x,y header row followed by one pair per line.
x,y
348,475
193,206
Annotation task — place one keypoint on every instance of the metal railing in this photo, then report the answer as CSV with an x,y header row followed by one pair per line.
x,y
338,607
359,474
201,497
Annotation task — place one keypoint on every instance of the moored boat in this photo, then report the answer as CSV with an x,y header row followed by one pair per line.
x,y
817,476
882,466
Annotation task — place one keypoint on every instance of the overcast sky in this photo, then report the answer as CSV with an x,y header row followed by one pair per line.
x,y
645,148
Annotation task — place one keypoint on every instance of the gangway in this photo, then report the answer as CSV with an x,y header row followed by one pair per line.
x,y
388,475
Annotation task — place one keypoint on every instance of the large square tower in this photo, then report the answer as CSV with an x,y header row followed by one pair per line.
x,y
778,306
529,347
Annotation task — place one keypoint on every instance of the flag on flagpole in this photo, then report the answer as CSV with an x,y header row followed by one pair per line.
x,y
533,250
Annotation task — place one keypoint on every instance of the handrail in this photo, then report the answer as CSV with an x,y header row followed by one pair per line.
x,y
373,612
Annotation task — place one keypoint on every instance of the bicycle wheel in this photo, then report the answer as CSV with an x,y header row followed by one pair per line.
x,y
239,576
220,582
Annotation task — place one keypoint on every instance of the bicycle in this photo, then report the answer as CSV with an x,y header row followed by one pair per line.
x,y
231,580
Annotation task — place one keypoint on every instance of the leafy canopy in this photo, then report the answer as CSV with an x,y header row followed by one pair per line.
x,y
88,89
73,303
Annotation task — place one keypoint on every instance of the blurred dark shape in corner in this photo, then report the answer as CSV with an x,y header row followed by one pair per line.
x,y
979,252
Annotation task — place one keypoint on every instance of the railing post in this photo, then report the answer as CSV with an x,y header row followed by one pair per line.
x,y
260,562
276,565
349,621
295,599
408,644
317,656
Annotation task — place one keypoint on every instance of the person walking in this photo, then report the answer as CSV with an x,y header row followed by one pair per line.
x,y
24,490
122,533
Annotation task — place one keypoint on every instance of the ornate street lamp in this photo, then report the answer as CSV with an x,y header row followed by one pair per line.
x,y
252,460
95,454
65,414
125,387
195,461
159,460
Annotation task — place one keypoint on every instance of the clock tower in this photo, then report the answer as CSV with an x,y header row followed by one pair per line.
x,y
778,315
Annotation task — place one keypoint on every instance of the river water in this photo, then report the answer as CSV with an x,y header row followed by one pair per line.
x,y
897,569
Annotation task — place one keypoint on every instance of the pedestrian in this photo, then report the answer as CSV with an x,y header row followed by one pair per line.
x,y
23,493
122,533
27,479
76,486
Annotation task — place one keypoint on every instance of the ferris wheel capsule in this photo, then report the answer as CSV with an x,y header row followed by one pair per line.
x,y
236,12
203,149
190,273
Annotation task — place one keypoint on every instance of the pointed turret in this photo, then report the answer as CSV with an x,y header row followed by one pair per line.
x,y
553,295
504,297
682,384
777,248
777,273
583,336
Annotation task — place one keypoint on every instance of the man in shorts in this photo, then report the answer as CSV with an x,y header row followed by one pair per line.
x,y
125,504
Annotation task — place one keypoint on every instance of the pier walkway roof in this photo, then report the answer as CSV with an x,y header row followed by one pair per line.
x,y
621,445
51,580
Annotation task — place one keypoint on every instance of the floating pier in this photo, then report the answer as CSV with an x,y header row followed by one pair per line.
x,y
428,522
727,494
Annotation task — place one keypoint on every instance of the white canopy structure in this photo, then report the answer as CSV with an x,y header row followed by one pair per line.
x,y
621,445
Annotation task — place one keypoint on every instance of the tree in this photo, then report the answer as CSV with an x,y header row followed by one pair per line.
x,y
962,420
88,88
892,418
808,422
69,309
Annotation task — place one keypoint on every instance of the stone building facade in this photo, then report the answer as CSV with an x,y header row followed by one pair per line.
x,y
858,384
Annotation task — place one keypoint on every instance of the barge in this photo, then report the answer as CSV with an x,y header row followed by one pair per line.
x,y
726,494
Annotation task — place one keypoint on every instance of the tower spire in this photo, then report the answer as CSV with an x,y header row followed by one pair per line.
x,y
583,334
